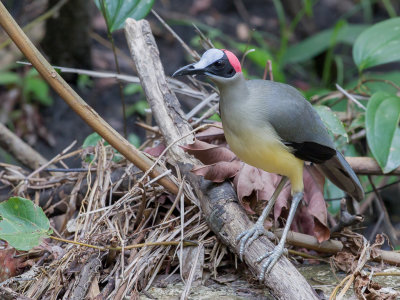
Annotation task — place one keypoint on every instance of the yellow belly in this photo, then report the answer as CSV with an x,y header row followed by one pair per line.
x,y
265,151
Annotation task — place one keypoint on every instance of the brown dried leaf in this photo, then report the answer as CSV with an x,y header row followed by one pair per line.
x,y
155,151
10,265
209,154
344,261
315,203
254,185
365,288
376,246
219,171
212,134
311,215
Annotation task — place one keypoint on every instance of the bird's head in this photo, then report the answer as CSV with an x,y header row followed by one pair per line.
x,y
219,64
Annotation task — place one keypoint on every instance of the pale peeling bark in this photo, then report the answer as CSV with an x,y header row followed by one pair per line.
x,y
218,201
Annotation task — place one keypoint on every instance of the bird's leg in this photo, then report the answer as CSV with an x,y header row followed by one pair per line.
x,y
248,236
274,255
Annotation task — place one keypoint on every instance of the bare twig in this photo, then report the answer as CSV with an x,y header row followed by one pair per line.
x,y
350,97
193,53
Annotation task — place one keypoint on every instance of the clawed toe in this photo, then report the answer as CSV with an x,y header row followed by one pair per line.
x,y
247,237
272,258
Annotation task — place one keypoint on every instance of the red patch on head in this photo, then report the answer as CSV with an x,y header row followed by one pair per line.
x,y
233,60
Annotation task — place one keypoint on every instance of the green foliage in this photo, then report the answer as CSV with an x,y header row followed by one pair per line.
x,y
331,121
320,42
22,223
37,89
383,133
84,81
260,56
33,87
134,140
116,12
139,108
133,88
92,139
378,45
331,191
215,117
7,78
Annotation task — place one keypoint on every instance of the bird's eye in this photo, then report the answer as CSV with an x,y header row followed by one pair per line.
x,y
219,63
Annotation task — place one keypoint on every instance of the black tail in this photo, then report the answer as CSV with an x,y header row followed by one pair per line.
x,y
338,170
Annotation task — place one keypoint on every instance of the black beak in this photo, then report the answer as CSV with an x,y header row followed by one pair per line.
x,y
189,70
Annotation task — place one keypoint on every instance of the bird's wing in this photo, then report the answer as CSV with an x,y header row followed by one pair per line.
x,y
294,120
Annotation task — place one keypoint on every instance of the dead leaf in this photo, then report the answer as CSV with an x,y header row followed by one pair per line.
x,y
314,200
212,134
209,154
254,185
219,171
155,151
344,261
376,246
10,265
365,288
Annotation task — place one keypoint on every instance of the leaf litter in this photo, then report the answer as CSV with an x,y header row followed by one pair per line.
x,y
112,205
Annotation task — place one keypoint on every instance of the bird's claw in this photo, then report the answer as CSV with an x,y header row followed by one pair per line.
x,y
272,258
249,236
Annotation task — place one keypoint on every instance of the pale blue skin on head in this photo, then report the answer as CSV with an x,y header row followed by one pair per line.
x,y
209,57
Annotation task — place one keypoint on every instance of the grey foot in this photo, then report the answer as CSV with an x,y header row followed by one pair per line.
x,y
272,258
248,236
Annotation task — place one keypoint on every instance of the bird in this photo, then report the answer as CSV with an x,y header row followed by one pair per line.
x,y
271,126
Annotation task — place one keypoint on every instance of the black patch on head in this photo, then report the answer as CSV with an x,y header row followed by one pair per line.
x,y
310,151
221,67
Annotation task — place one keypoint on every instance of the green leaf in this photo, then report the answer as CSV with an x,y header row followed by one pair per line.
x,y
23,224
32,72
320,42
215,117
38,90
139,108
331,191
377,84
358,122
379,44
393,160
134,139
331,121
117,11
132,88
260,57
84,81
91,140
383,135
9,78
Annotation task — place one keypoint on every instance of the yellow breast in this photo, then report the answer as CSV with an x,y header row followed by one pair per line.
x,y
261,148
